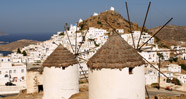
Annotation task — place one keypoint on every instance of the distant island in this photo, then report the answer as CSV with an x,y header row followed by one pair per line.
x,y
17,44
2,34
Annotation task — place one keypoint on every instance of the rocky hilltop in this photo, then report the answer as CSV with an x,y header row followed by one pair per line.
x,y
112,17
17,44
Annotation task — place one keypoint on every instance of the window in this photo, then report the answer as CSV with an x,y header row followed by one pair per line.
x,y
63,68
130,70
10,71
14,71
22,70
6,75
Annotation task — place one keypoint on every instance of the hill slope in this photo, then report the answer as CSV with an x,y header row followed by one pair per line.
x,y
112,17
17,44
171,33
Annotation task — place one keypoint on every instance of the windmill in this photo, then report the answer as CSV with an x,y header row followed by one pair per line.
x,y
138,47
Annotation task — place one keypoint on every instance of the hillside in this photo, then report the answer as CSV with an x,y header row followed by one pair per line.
x,y
17,44
171,34
112,17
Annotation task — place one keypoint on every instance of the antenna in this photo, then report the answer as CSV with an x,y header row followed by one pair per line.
x,y
144,24
130,24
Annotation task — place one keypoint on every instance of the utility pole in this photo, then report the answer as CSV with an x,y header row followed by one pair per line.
x,y
159,72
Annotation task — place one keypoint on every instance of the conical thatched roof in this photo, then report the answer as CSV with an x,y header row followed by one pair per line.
x,y
61,57
116,53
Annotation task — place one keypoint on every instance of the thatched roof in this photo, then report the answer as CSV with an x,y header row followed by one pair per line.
x,y
61,57
116,53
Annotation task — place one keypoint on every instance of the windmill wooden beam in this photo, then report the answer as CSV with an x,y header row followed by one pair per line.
x,y
83,72
155,33
76,42
163,51
143,24
82,42
68,36
130,26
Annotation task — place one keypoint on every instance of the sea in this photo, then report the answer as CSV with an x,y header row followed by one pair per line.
x,y
5,39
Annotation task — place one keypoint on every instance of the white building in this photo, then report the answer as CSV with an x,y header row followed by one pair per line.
x,y
136,34
113,73
151,76
112,8
12,72
174,68
61,75
95,14
35,81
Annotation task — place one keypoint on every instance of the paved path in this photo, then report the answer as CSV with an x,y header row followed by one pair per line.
x,y
153,92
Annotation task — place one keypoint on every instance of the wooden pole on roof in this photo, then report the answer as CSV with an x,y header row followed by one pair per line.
x,y
66,24
130,24
143,24
155,33
84,37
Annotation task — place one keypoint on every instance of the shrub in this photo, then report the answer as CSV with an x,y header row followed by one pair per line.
x,y
98,22
175,59
176,81
62,33
157,39
24,53
18,51
155,85
96,44
183,66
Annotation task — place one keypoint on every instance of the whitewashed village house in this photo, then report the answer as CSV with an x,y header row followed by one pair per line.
x,y
114,71
60,75
151,76
173,68
12,72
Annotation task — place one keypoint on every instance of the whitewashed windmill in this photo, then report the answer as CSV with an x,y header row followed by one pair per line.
x,y
60,74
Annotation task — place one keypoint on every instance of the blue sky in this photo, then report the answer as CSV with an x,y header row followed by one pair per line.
x,y
35,16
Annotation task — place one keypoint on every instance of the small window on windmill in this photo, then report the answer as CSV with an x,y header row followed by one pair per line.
x,y
130,70
63,68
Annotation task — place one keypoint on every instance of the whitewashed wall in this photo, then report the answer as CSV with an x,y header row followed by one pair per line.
x,y
59,83
116,84
34,78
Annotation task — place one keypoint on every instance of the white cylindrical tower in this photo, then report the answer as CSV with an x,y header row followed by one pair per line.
x,y
116,71
61,76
